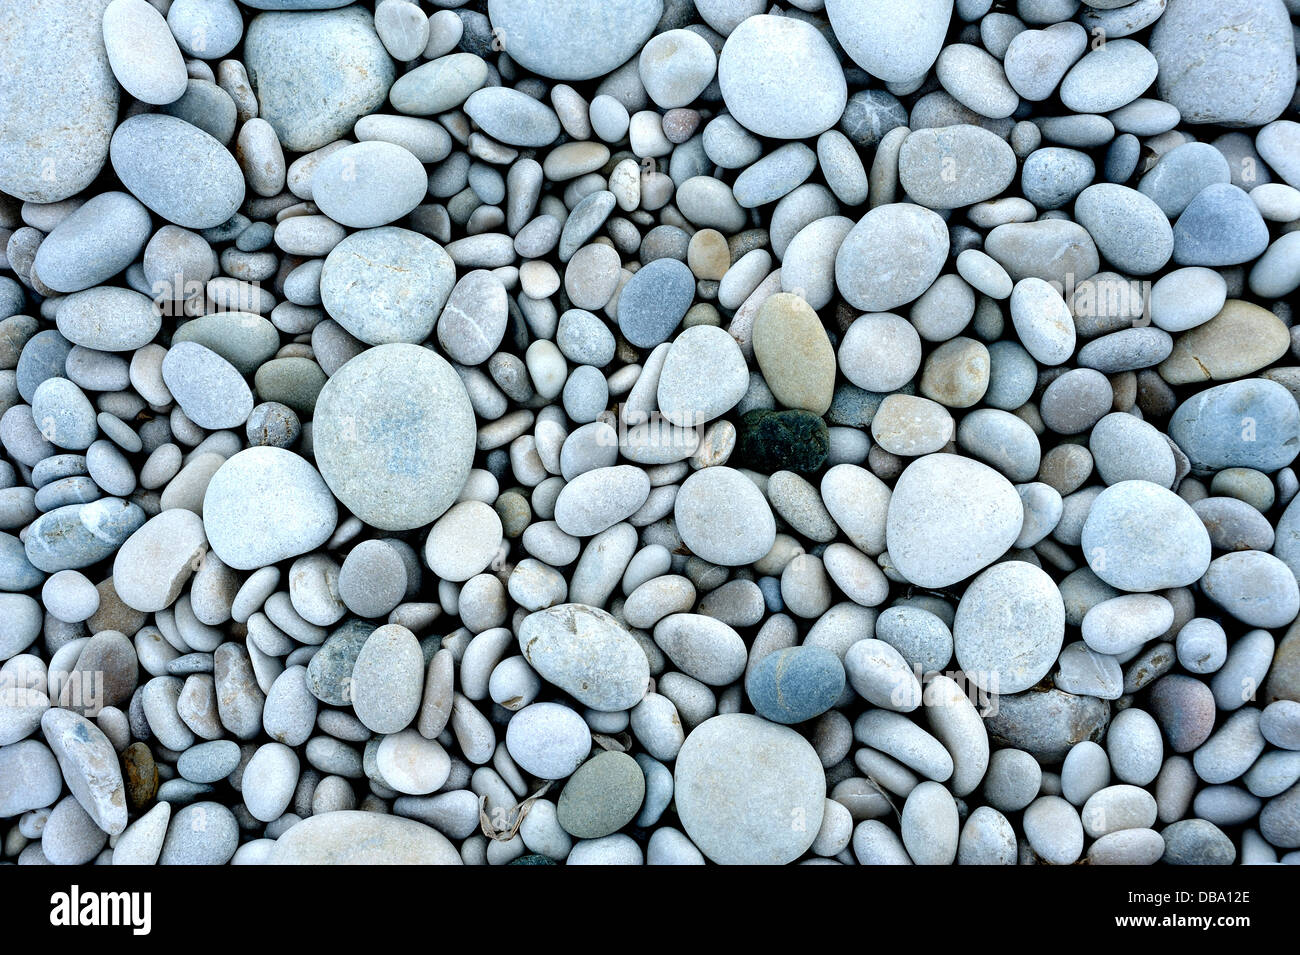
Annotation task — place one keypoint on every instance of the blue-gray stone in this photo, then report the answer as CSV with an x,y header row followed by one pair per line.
x,y
316,74
1053,176
93,243
1197,842
44,356
204,833
1130,230
654,301
1122,158
553,38
1221,226
329,674
1230,62
512,117
177,170
369,184
587,216
1139,536
209,389
64,414
1181,174
209,762
439,85
59,101
775,175
80,319
387,285
16,571
1253,423
79,535
795,684
209,107
403,410
265,505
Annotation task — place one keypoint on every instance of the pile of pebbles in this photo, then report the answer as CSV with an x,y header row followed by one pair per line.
x,y
649,431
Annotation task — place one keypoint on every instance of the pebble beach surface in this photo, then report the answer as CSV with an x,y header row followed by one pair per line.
x,y
669,432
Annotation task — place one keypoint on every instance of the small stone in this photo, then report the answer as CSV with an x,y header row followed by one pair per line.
x,y
1009,627
387,285
891,256
736,781
723,517
264,505
425,451
796,684
387,679
948,517
609,674
352,837
780,78
602,796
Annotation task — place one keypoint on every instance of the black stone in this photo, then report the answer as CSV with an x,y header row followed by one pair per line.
x,y
771,441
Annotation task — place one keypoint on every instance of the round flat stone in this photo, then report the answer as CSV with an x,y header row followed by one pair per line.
x,y
954,166
1253,423
891,256
739,781
1229,62
53,145
387,285
553,38
177,170
352,837
1139,536
724,518
653,302
266,504
781,79
395,435
588,654
316,73
209,389
1009,627
949,517
895,49
369,184
156,561
93,243
795,684
602,796
388,679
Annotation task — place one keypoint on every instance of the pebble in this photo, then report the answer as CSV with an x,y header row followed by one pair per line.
x,y
1202,50
200,185
739,772
264,505
56,145
757,73
723,518
316,73
426,466
352,837
602,796
1139,536
796,684
1009,627
949,517
874,280
609,679
891,48
399,303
